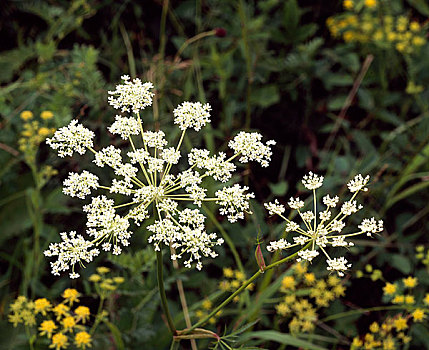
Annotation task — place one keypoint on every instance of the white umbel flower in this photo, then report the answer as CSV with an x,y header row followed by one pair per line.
x,y
370,226
251,148
338,264
72,138
319,229
133,95
275,208
125,127
79,185
192,115
235,202
312,181
358,183
147,185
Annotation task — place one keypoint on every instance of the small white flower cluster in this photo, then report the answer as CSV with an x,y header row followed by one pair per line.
x,y
192,115
132,94
148,184
250,147
80,185
72,138
319,230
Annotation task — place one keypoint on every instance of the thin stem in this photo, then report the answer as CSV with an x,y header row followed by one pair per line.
x,y
159,267
361,311
175,344
242,288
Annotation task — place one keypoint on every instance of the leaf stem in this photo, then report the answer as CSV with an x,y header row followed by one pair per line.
x,y
159,267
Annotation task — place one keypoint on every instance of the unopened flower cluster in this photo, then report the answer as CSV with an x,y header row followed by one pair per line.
x,y
320,228
63,324
145,178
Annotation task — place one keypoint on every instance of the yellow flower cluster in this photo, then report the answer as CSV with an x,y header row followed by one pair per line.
x,y
59,323
205,309
392,291
422,255
104,283
34,132
233,280
387,336
304,296
364,25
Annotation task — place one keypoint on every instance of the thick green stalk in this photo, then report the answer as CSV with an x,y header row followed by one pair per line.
x,y
159,267
242,288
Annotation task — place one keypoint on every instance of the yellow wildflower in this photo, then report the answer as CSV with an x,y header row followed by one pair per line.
x,y
29,317
59,341
82,340
224,286
83,313
68,323
418,315
290,299
102,270
339,291
240,275
45,115
44,131
357,342
71,295
288,282
309,278
228,272
47,327
418,41
307,326
94,278
282,309
409,299
415,26
15,319
348,4
42,305
206,304
26,115
235,284
400,323
119,279
333,281
388,344
399,299
374,327
370,3
61,310
410,282
300,268
389,289
426,299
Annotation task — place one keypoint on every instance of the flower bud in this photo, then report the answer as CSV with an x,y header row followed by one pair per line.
x,y
260,258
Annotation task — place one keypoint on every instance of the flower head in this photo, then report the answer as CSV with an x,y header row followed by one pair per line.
x,y
322,228
146,183
133,94
72,138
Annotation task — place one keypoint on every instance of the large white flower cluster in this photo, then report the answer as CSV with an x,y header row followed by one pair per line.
x,y
320,228
145,177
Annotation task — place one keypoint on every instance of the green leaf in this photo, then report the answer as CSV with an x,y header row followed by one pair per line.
x,y
265,96
282,338
279,189
421,6
116,335
401,263
337,102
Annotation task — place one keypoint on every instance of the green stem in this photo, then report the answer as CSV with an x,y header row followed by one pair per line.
x,y
174,344
242,288
159,267
361,311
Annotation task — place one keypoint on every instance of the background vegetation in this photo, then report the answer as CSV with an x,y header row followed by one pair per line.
x,y
338,98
